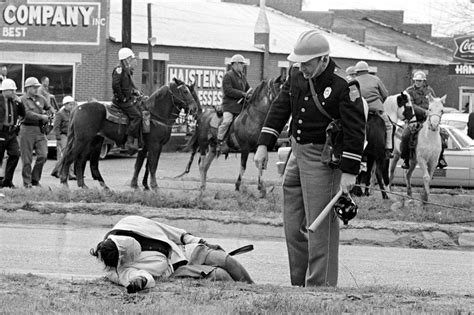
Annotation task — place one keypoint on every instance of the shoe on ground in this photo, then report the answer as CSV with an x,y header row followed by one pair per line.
x,y
27,186
35,184
55,174
406,165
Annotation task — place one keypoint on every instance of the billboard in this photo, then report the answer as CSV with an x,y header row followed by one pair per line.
x,y
52,22
461,69
207,80
464,48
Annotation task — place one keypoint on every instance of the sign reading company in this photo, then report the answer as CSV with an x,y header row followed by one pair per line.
x,y
207,80
44,22
464,48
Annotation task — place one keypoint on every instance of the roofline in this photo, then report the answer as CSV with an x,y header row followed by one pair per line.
x,y
396,29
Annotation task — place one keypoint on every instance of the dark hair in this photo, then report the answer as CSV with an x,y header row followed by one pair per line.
x,y
106,251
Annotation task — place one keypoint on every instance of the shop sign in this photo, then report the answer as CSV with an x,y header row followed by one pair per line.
x,y
464,48
461,69
207,80
52,22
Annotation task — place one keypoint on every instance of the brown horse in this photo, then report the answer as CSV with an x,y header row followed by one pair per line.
x,y
88,127
243,133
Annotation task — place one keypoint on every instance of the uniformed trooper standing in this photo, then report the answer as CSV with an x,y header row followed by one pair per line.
x,y
32,136
10,110
309,184
236,89
124,94
375,93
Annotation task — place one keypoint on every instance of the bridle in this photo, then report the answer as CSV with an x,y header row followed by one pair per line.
x,y
271,93
432,128
168,121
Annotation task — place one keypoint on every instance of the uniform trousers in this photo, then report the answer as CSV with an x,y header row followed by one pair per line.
x,y
133,113
32,139
227,118
61,144
308,187
9,144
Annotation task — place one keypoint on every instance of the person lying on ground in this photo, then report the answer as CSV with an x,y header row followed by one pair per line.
x,y
138,251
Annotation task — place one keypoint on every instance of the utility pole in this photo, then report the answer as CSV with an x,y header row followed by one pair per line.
x,y
151,40
127,23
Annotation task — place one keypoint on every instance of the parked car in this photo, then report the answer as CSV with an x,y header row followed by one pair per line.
x,y
460,158
458,173
457,120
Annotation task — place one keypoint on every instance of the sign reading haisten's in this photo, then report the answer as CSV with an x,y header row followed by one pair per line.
x,y
207,80
52,22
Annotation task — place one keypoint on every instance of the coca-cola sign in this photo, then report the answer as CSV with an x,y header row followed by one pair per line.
x,y
464,48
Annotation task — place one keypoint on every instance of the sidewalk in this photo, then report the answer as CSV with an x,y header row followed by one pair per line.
x,y
238,224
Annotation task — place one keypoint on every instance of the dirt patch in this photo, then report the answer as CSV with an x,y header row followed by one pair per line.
x,y
46,295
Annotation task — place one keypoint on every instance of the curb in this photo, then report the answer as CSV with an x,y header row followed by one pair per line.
x,y
215,223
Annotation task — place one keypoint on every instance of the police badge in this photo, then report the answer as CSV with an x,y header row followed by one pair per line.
x,y
327,92
353,93
118,70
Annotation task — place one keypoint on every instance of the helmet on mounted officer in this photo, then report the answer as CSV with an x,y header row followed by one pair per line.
x,y
419,76
237,58
361,66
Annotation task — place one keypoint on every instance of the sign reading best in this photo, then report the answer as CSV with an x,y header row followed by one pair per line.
x,y
43,22
207,81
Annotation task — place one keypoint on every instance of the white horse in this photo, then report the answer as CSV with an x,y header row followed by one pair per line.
x,y
428,146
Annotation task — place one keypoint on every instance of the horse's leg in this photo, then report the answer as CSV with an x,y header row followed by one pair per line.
x,y
138,166
426,179
205,161
244,155
94,161
393,163
145,176
152,162
380,164
368,174
408,175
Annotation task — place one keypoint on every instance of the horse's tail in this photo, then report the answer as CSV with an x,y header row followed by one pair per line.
x,y
192,144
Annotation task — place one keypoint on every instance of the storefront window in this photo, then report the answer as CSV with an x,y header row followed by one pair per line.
x,y
60,77
158,71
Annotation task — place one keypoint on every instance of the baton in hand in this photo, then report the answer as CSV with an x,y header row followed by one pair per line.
x,y
317,222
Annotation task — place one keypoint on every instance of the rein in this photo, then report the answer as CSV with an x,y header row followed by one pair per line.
x,y
168,122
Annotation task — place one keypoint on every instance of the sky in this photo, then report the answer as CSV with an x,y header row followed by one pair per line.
x,y
448,17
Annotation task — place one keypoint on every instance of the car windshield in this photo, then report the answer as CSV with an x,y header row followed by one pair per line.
x,y
454,123
463,140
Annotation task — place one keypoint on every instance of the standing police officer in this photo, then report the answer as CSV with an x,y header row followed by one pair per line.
x,y
236,90
309,185
375,93
10,109
33,134
124,91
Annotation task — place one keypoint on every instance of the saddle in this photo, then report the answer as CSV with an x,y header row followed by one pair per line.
x,y
115,114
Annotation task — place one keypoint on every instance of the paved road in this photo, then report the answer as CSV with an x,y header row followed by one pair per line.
x,y
118,171
62,251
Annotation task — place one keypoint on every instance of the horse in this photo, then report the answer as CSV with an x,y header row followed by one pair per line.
x,y
243,133
397,107
428,147
89,126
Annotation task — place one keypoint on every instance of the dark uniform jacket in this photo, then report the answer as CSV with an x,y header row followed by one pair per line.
x,y
17,110
122,84
235,87
470,126
418,95
340,97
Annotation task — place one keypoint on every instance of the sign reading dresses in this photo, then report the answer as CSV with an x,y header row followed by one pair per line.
x,y
464,48
208,81
51,22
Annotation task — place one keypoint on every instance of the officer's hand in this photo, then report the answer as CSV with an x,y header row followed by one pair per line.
x,y
261,157
347,182
44,118
145,98
211,246
136,285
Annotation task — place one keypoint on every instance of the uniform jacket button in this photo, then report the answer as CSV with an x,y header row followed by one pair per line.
x,y
300,121
303,109
306,98
298,138
298,131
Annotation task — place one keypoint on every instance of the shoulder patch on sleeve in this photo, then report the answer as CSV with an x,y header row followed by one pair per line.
x,y
353,92
118,70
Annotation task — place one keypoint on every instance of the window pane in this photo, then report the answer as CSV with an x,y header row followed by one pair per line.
x,y
60,78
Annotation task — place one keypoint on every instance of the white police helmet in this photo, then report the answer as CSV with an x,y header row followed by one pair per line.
x,y
32,81
361,66
310,44
8,84
238,58
124,53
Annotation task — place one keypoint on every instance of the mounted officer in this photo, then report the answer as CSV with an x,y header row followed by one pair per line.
x,y
419,92
375,93
236,91
314,87
11,108
125,93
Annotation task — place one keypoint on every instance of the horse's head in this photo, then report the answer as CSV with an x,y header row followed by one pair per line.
x,y
435,110
405,107
184,96
264,94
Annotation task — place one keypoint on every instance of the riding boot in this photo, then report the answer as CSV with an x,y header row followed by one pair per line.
x,y
130,145
222,147
406,164
442,162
